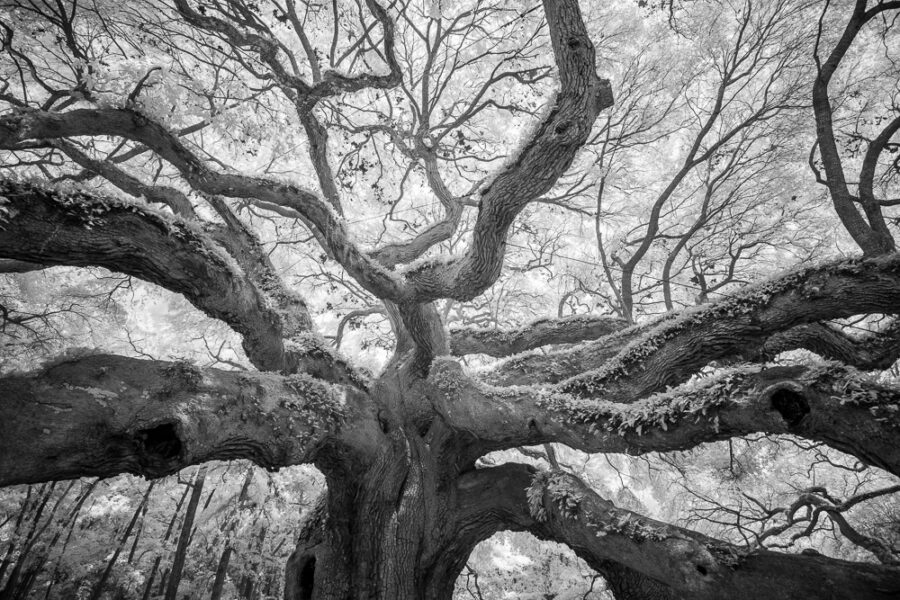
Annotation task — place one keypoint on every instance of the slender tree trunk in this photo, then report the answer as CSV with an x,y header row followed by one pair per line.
x,y
9,589
228,529
185,536
70,526
98,589
250,583
605,261
20,518
221,572
137,534
246,587
162,582
148,586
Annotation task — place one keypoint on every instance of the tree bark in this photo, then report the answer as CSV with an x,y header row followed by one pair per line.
x,y
148,586
154,418
184,538
227,530
684,563
98,587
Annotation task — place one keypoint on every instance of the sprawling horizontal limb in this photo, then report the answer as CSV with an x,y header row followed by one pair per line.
x,y
25,125
831,403
651,359
559,507
504,342
54,227
542,367
102,415
871,351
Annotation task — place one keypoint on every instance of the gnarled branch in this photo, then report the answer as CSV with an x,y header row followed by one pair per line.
x,y
102,415
872,351
33,124
832,404
53,227
677,348
560,507
532,171
504,342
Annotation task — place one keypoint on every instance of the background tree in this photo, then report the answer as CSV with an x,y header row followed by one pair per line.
x,y
290,168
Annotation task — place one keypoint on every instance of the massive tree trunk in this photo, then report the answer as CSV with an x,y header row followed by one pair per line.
x,y
405,502
388,528
384,536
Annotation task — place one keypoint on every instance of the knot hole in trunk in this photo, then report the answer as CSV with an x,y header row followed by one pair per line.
x,y
791,405
160,443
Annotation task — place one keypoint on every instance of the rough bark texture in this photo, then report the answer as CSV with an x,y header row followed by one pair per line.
x,y
102,415
225,280
503,342
557,506
405,503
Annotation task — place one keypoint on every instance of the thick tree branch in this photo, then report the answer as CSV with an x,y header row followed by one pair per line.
x,y
754,322
333,83
393,254
560,507
679,347
533,170
832,404
62,228
171,197
103,415
352,316
305,351
540,367
873,351
19,266
872,236
504,342
870,161
129,124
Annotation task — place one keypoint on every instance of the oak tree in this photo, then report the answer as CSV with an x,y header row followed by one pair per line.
x,y
196,145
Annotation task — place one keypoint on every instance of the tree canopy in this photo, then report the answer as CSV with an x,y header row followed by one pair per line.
x,y
432,248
